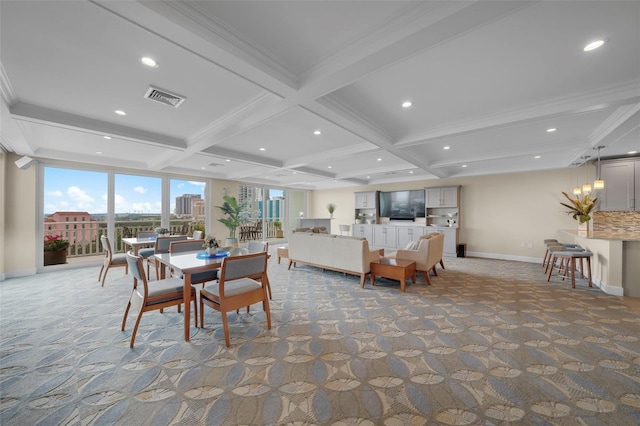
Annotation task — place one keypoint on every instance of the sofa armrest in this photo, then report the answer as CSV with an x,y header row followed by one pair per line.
x,y
372,255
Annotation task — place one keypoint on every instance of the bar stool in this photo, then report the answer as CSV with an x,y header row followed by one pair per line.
x,y
550,242
568,259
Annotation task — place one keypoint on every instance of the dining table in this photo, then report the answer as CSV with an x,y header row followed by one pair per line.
x,y
188,263
137,243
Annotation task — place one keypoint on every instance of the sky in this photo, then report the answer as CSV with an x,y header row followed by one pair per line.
x,y
77,190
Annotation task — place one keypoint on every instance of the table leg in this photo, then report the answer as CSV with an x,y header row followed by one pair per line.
x,y
186,296
402,284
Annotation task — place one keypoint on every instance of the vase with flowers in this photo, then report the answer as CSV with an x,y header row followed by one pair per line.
x,y
210,244
55,250
580,208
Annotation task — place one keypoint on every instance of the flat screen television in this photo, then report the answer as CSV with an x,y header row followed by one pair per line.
x,y
402,205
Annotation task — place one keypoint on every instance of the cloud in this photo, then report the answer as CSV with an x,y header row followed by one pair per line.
x,y
82,200
140,189
54,193
200,185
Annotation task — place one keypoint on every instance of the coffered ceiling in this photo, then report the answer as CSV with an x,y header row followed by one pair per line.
x,y
487,79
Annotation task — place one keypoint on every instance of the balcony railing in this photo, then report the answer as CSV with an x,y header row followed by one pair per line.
x,y
84,237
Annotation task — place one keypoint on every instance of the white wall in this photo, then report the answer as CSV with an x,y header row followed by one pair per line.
x,y
19,210
497,212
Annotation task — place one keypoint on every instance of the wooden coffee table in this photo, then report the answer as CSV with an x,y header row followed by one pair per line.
x,y
395,269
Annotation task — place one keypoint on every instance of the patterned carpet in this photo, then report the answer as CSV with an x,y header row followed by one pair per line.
x,y
490,342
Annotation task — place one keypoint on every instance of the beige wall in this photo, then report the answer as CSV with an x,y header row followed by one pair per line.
x,y
19,211
497,212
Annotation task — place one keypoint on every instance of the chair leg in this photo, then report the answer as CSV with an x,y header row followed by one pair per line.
x,y
434,270
550,266
201,312
225,326
126,313
426,277
442,263
104,276
100,274
589,270
195,311
135,329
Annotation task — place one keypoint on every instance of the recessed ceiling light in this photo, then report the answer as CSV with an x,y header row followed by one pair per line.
x,y
328,167
551,130
149,62
536,157
407,104
632,152
203,168
227,160
593,45
107,137
446,147
368,177
120,112
99,152
317,132
379,159
410,172
263,149
464,165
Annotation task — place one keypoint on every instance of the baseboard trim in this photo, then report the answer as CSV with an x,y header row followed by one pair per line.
x,y
504,257
19,273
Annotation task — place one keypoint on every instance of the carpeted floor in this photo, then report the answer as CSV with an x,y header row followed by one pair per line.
x,y
490,342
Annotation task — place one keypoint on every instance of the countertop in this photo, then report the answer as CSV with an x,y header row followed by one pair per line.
x,y
604,235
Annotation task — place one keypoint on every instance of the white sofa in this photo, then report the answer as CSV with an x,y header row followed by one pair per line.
x,y
350,255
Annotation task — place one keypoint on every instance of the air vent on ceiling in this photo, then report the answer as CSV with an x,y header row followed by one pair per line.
x,y
164,97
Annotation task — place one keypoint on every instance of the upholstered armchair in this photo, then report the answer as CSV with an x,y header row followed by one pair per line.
x,y
427,255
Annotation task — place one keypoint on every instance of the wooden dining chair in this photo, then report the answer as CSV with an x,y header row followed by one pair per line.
x,y
160,295
146,252
162,246
194,246
111,260
242,282
257,247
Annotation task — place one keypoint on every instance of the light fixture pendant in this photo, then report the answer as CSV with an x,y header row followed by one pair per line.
x,y
577,190
586,189
599,182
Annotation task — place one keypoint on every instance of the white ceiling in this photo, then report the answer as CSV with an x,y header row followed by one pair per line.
x,y
487,78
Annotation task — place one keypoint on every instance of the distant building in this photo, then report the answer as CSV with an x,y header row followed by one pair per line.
x,y
76,227
198,209
184,204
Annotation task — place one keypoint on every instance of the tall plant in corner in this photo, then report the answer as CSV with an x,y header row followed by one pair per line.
x,y
580,208
236,214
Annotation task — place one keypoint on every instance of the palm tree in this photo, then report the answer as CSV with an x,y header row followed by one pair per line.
x,y
235,214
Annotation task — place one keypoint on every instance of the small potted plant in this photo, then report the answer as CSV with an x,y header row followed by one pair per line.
x,y
331,208
55,250
210,244
162,231
278,225
580,208
358,218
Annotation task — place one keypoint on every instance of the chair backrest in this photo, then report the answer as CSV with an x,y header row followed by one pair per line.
x,y
344,228
197,235
246,266
164,243
257,246
135,266
106,245
147,235
184,246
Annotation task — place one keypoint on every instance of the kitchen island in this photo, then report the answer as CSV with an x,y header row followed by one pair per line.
x,y
616,259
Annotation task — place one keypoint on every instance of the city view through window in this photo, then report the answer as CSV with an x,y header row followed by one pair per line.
x,y
76,207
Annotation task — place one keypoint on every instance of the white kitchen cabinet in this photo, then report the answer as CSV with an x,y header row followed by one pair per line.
x,y
620,185
385,236
365,200
363,231
444,196
406,234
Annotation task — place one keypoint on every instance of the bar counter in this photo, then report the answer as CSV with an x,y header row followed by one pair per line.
x,y
616,259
